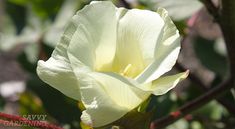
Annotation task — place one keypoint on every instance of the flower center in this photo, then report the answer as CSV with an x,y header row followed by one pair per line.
x,y
126,71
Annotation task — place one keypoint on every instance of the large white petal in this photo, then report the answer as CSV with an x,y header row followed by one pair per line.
x,y
163,84
107,98
94,41
101,108
166,51
138,32
121,91
58,74
57,71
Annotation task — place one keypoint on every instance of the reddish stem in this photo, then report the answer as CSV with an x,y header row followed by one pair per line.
x,y
13,120
192,105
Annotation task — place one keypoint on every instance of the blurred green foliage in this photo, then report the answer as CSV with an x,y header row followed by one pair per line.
x,y
43,8
209,57
41,18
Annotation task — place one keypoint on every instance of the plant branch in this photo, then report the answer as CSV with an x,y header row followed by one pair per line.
x,y
212,9
192,105
227,24
194,78
226,19
10,120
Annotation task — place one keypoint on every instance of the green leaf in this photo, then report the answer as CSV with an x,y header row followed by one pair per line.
x,y
43,8
19,2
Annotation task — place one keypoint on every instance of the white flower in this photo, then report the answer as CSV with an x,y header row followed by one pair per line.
x,y
111,59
